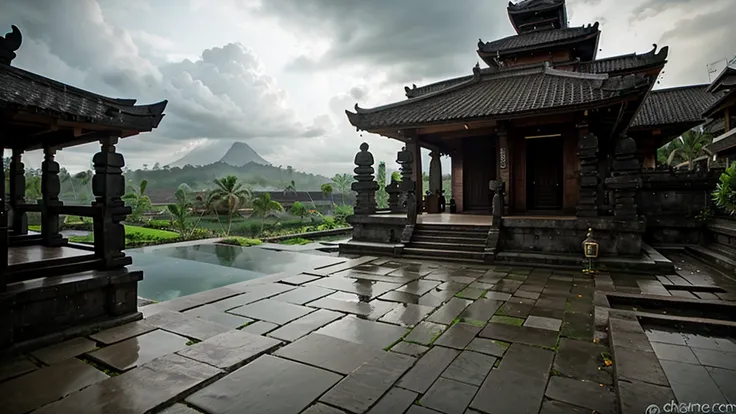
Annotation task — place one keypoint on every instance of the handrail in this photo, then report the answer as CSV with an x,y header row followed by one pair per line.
x,y
71,210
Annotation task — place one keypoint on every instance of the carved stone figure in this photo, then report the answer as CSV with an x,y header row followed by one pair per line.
x,y
365,186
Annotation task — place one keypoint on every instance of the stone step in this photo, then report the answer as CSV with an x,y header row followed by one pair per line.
x,y
449,233
711,256
723,249
444,239
444,254
454,228
462,247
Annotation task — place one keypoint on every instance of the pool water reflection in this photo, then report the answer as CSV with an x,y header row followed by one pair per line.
x,y
170,272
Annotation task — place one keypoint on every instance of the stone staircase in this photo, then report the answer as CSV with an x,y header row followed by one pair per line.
x,y
448,242
720,249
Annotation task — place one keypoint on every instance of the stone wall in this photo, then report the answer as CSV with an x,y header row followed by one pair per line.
x,y
377,229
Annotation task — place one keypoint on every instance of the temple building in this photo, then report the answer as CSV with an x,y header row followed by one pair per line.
x,y
722,116
51,289
565,132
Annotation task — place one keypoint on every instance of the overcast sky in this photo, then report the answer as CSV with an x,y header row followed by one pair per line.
x,y
278,74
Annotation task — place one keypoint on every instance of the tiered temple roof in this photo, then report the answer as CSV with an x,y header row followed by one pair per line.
x,y
529,15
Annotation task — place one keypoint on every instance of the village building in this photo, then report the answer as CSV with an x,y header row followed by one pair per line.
x,y
722,118
49,288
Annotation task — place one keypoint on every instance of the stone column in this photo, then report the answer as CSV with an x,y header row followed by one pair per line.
x,y
394,197
625,179
435,173
365,186
408,186
108,186
416,151
17,193
4,247
588,154
503,163
50,189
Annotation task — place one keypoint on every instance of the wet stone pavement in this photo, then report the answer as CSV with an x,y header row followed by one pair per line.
x,y
375,335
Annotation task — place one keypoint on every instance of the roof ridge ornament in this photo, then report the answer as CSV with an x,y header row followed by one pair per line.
x,y
9,44
476,71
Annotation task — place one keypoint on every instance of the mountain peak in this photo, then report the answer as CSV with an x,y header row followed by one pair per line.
x,y
240,154
237,154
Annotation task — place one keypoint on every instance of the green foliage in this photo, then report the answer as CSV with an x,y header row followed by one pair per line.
x,y
135,237
35,227
342,182
158,224
137,199
229,196
396,176
381,194
297,241
241,241
341,213
326,190
263,207
299,209
687,148
725,192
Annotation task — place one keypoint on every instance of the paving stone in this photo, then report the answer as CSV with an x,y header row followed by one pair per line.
x,y
449,311
374,334
373,268
700,341
578,326
186,325
520,334
482,310
397,400
411,349
543,323
549,313
674,353
528,360
271,310
471,293
507,286
299,279
329,353
370,290
418,409
282,386
363,387
62,351
15,367
419,287
450,287
517,310
488,346
304,325
470,367
718,359
47,385
230,350
506,391
624,325
213,314
458,336
692,383
320,408
634,365
581,359
635,396
122,332
425,333
427,369
136,351
400,297
303,294
724,379
407,314
396,279
557,407
349,303
179,409
582,393
255,294
448,396
498,295
480,285
527,294
580,306
259,328
551,303
631,340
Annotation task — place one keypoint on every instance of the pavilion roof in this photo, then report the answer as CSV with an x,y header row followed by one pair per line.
x,y
502,95
683,105
724,99
537,39
527,6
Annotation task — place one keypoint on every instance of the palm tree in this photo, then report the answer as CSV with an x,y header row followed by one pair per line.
x,y
342,182
137,198
725,193
291,188
688,147
263,207
299,209
179,210
327,191
230,195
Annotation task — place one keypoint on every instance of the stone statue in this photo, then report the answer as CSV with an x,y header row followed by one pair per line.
x,y
498,187
365,186
394,193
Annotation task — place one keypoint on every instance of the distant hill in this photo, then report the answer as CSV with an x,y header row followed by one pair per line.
x,y
236,154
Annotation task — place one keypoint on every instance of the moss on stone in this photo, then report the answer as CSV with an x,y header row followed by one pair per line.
x,y
508,320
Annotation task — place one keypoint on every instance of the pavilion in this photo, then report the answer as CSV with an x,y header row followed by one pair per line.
x,y
722,115
50,288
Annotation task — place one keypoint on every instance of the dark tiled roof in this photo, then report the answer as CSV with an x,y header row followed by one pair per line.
x,y
722,81
625,62
534,5
721,101
683,105
537,39
23,90
500,96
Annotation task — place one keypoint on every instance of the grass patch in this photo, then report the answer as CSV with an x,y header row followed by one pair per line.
x,y
501,311
241,241
192,342
508,320
34,227
555,373
297,241
473,322
109,371
135,236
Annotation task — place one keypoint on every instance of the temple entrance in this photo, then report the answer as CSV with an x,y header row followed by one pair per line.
x,y
479,167
544,174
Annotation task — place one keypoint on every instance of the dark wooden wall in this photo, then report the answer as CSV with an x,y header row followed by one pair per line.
x,y
571,172
479,164
457,179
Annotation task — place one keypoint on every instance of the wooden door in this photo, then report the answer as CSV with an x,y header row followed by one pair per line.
x,y
544,174
479,167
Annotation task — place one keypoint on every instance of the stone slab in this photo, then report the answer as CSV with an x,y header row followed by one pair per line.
x,y
557,407
428,369
407,314
482,310
498,295
449,311
283,387
408,348
179,409
724,379
186,325
458,336
418,287
363,387
350,303
259,328
692,383
582,393
397,400
213,314
470,367
299,279
634,365
488,347
122,332
714,358
471,293
370,290
15,367
320,408
521,334
303,294
674,353
304,325
425,333
230,350
400,297
138,350
62,351
46,385
633,340
665,336
635,397
328,353
543,323
506,391
514,309
448,396
581,360
418,409
373,334
271,310
528,360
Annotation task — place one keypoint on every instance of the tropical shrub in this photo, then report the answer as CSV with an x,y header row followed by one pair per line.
x,y
725,193
297,241
299,209
158,224
241,241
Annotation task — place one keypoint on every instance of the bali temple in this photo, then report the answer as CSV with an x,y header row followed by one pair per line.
x,y
550,138
51,289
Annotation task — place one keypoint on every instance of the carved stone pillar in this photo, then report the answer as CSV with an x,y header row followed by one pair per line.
x,y
407,161
625,179
503,163
394,199
108,186
50,189
365,186
17,192
588,154
435,173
